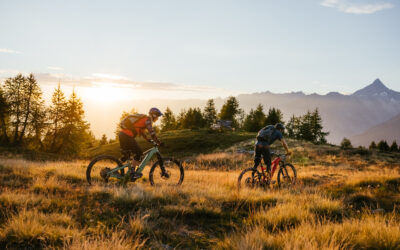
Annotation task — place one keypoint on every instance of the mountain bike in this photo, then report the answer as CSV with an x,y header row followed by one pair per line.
x,y
252,178
163,171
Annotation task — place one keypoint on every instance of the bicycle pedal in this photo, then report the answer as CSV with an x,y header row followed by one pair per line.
x,y
136,175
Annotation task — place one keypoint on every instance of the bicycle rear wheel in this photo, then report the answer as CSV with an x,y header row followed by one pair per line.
x,y
249,178
99,166
287,176
170,172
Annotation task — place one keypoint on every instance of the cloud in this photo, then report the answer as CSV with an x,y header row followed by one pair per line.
x,y
101,79
356,8
330,3
9,51
54,68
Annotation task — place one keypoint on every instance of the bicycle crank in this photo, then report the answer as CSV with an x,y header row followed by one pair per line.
x,y
104,173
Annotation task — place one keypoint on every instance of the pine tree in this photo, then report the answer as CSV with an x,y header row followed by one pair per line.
x,y
383,146
103,140
394,147
168,121
249,121
255,119
316,128
230,110
32,99
180,118
240,118
346,144
193,118
57,116
274,116
307,127
372,145
210,113
75,133
38,125
14,94
4,140
305,130
293,127
21,94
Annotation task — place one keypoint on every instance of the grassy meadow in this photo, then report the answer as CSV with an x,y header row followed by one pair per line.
x,y
343,200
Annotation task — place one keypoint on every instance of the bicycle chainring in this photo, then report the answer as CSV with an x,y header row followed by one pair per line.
x,y
104,172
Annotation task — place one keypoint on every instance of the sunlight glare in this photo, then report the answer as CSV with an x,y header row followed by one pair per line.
x,y
107,94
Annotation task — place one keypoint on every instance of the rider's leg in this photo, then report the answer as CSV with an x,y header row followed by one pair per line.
x,y
267,158
257,155
137,151
125,143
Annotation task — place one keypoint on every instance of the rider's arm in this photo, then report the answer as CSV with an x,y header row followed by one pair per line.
x,y
152,132
284,144
143,134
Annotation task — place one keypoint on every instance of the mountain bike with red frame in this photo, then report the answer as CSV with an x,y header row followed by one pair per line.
x,y
252,178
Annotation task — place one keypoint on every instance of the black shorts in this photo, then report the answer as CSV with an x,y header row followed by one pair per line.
x,y
127,142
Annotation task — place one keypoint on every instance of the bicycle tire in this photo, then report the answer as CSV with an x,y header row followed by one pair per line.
x,y
175,164
253,170
284,174
97,159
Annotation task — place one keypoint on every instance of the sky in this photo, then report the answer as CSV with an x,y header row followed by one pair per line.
x,y
111,51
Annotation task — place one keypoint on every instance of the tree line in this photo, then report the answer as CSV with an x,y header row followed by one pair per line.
x,y
381,145
306,127
25,120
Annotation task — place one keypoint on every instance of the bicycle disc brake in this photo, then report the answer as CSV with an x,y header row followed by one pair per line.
x,y
165,174
249,182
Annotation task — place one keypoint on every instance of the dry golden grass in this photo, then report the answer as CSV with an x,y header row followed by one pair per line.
x,y
339,202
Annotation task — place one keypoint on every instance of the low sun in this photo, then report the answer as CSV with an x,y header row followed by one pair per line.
x,y
106,94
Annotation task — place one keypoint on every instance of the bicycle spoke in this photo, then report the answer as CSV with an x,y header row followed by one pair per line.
x,y
169,173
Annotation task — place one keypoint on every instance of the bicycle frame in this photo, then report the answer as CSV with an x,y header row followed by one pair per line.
x,y
274,166
148,155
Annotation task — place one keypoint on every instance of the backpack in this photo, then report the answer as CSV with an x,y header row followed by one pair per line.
x,y
265,133
129,121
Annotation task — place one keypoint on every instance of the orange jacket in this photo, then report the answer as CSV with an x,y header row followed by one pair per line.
x,y
139,128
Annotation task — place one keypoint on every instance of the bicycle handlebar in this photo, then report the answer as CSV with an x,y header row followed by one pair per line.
x,y
156,144
279,154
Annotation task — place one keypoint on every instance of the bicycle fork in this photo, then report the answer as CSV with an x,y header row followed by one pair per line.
x,y
164,172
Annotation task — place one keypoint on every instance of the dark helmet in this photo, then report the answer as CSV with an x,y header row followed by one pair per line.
x,y
279,126
155,112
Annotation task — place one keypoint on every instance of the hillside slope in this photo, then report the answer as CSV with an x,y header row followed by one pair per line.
x,y
388,130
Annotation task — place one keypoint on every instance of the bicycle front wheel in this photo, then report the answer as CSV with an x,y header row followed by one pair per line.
x,y
287,176
167,172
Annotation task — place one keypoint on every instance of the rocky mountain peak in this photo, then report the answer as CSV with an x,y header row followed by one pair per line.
x,y
378,85
377,89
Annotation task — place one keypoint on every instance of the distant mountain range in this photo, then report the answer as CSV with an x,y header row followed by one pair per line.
x,y
343,115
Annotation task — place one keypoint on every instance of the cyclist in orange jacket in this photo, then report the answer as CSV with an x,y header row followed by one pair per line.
x,y
134,125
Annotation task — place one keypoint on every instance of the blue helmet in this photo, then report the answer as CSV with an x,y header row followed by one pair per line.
x,y
155,112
